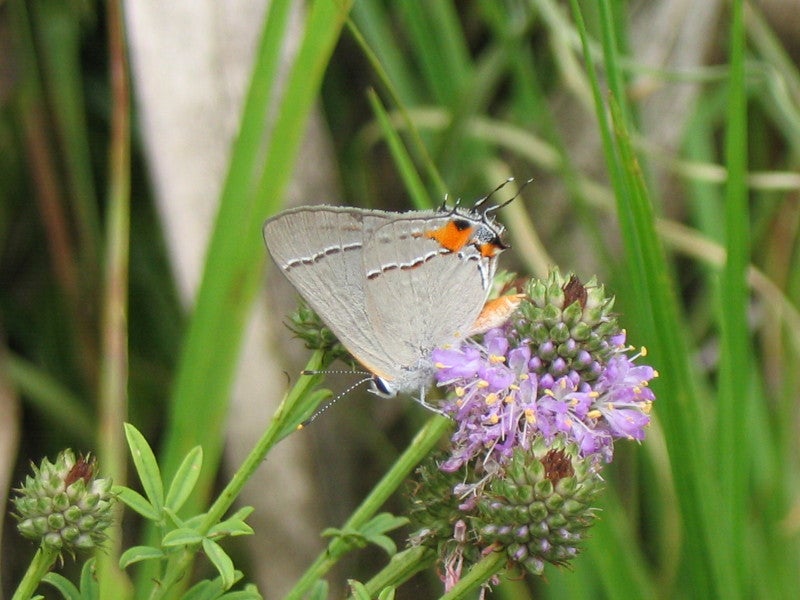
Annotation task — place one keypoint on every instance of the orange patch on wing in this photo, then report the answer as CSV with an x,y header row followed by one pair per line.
x,y
495,313
453,236
490,249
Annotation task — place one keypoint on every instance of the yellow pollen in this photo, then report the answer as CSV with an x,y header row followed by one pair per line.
x,y
460,391
594,414
524,377
514,387
643,351
439,365
494,419
510,399
549,392
482,384
563,383
594,394
495,358
655,373
610,405
491,399
647,408
530,416
637,389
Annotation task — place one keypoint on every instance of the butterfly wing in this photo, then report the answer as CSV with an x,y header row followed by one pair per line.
x,y
391,286
420,294
320,250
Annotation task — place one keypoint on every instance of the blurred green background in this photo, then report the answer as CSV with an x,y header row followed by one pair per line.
x,y
684,202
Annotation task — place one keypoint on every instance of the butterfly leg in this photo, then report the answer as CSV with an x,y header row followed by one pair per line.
x,y
430,407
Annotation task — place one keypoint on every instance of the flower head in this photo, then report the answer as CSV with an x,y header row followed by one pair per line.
x,y
64,504
537,404
555,369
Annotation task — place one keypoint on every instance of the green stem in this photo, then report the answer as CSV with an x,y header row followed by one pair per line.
x,y
419,448
40,565
286,419
489,566
113,383
401,568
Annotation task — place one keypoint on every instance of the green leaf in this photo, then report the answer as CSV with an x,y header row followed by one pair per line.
x,y
90,588
177,522
242,595
357,590
185,479
736,356
210,589
351,537
233,526
230,527
204,590
138,554
372,532
64,586
48,395
221,561
383,523
384,542
319,590
181,537
195,521
387,593
243,513
402,159
137,502
146,466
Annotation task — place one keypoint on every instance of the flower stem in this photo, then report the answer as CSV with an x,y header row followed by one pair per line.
x,y
40,565
285,421
488,567
417,450
401,567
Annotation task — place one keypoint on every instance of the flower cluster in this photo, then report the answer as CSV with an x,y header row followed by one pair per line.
x,y
555,369
537,405
64,505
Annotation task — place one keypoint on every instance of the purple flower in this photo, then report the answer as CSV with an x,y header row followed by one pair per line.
x,y
538,404
507,391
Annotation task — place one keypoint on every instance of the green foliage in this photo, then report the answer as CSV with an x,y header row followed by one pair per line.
x,y
696,237
178,536
89,589
372,532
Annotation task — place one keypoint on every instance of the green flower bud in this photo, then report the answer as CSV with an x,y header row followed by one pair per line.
x,y
549,527
64,505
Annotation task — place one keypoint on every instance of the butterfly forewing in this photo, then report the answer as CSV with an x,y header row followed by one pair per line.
x,y
320,249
